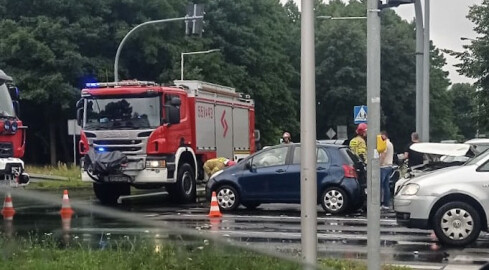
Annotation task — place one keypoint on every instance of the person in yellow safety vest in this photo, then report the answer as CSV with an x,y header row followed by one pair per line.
x,y
214,165
358,144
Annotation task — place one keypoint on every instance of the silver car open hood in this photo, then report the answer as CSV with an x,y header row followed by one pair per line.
x,y
442,149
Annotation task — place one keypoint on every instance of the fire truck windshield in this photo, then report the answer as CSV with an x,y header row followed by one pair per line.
x,y
6,106
122,113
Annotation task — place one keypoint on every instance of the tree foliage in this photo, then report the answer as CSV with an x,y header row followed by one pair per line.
x,y
53,47
475,61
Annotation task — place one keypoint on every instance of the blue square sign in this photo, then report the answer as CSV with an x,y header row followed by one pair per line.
x,y
360,114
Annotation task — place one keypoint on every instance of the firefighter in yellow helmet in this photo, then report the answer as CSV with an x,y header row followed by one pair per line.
x,y
358,145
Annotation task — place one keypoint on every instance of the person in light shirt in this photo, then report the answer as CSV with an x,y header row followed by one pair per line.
x,y
386,159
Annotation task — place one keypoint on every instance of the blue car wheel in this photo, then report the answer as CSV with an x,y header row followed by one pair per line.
x,y
227,198
334,200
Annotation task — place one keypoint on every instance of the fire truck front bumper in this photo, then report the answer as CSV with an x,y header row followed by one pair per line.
x,y
12,172
140,171
11,166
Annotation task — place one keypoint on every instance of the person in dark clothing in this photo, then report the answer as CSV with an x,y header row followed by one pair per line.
x,y
414,158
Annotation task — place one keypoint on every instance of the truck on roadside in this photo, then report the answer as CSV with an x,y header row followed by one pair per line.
x,y
12,135
146,135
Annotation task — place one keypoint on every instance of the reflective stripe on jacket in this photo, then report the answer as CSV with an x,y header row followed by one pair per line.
x,y
359,147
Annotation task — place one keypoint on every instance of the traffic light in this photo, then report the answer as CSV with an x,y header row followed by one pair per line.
x,y
194,26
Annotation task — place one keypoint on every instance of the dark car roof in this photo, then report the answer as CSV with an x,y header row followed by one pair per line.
x,y
329,145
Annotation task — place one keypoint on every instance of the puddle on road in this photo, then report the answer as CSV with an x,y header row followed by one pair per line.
x,y
85,226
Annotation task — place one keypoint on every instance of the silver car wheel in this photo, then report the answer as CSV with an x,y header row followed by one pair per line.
x,y
333,200
226,198
457,224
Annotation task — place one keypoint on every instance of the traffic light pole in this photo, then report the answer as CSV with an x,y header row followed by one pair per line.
x,y
419,66
373,103
425,136
119,49
308,138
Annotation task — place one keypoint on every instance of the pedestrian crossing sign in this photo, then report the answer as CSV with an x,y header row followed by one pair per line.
x,y
360,114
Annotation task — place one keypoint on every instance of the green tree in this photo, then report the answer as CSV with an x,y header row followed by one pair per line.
x,y
464,99
475,60
341,74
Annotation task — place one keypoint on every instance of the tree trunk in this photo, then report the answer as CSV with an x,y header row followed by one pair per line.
x,y
64,145
52,142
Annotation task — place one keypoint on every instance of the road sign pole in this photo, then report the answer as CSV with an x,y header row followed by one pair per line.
x,y
373,104
74,148
308,138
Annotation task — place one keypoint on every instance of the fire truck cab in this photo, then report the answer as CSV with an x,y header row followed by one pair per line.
x,y
12,135
146,135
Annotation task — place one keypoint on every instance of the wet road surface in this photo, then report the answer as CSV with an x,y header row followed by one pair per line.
x,y
274,227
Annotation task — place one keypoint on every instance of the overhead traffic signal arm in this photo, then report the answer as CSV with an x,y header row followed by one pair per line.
x,y
394,3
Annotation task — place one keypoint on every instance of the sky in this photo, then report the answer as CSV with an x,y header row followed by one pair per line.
x,y
448,23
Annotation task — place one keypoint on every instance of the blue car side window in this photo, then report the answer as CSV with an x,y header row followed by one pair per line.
x,y
322,156
272,157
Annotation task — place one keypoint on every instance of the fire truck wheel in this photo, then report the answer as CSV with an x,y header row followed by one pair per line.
x,y
184,190
108,193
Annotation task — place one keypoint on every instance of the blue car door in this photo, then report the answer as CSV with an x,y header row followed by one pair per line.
x,y
257,182
294,171
323,167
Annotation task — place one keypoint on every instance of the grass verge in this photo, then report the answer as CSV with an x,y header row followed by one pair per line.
x,y
59,184
28,254
61,169
70,172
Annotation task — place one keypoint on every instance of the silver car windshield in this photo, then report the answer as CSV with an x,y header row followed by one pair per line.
x,y
6,106
123,113
478,158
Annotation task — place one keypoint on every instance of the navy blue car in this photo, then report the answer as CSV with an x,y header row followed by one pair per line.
x,y
272,175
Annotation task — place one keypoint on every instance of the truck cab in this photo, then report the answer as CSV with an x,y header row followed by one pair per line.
x,y
146,135
12,135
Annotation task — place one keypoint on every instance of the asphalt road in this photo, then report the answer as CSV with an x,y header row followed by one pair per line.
x,y
274,227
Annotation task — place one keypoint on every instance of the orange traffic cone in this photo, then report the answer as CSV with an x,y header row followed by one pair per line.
x,y
214,211
215,223
66,211
8,211
8,227
65,229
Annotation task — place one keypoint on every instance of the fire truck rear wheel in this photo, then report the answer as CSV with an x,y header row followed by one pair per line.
x,y
184,190
108,193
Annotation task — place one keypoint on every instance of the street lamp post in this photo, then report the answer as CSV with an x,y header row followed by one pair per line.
x,y
119,49
190,53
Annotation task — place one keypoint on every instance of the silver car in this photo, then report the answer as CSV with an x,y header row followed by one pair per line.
x,y
453,201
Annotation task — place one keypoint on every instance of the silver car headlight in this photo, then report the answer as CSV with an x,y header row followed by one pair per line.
x,y
410,189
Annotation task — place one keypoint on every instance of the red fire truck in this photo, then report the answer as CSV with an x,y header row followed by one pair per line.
x,y
146,135
12,135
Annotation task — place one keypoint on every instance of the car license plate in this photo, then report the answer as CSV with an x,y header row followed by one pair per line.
x,y
118,178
